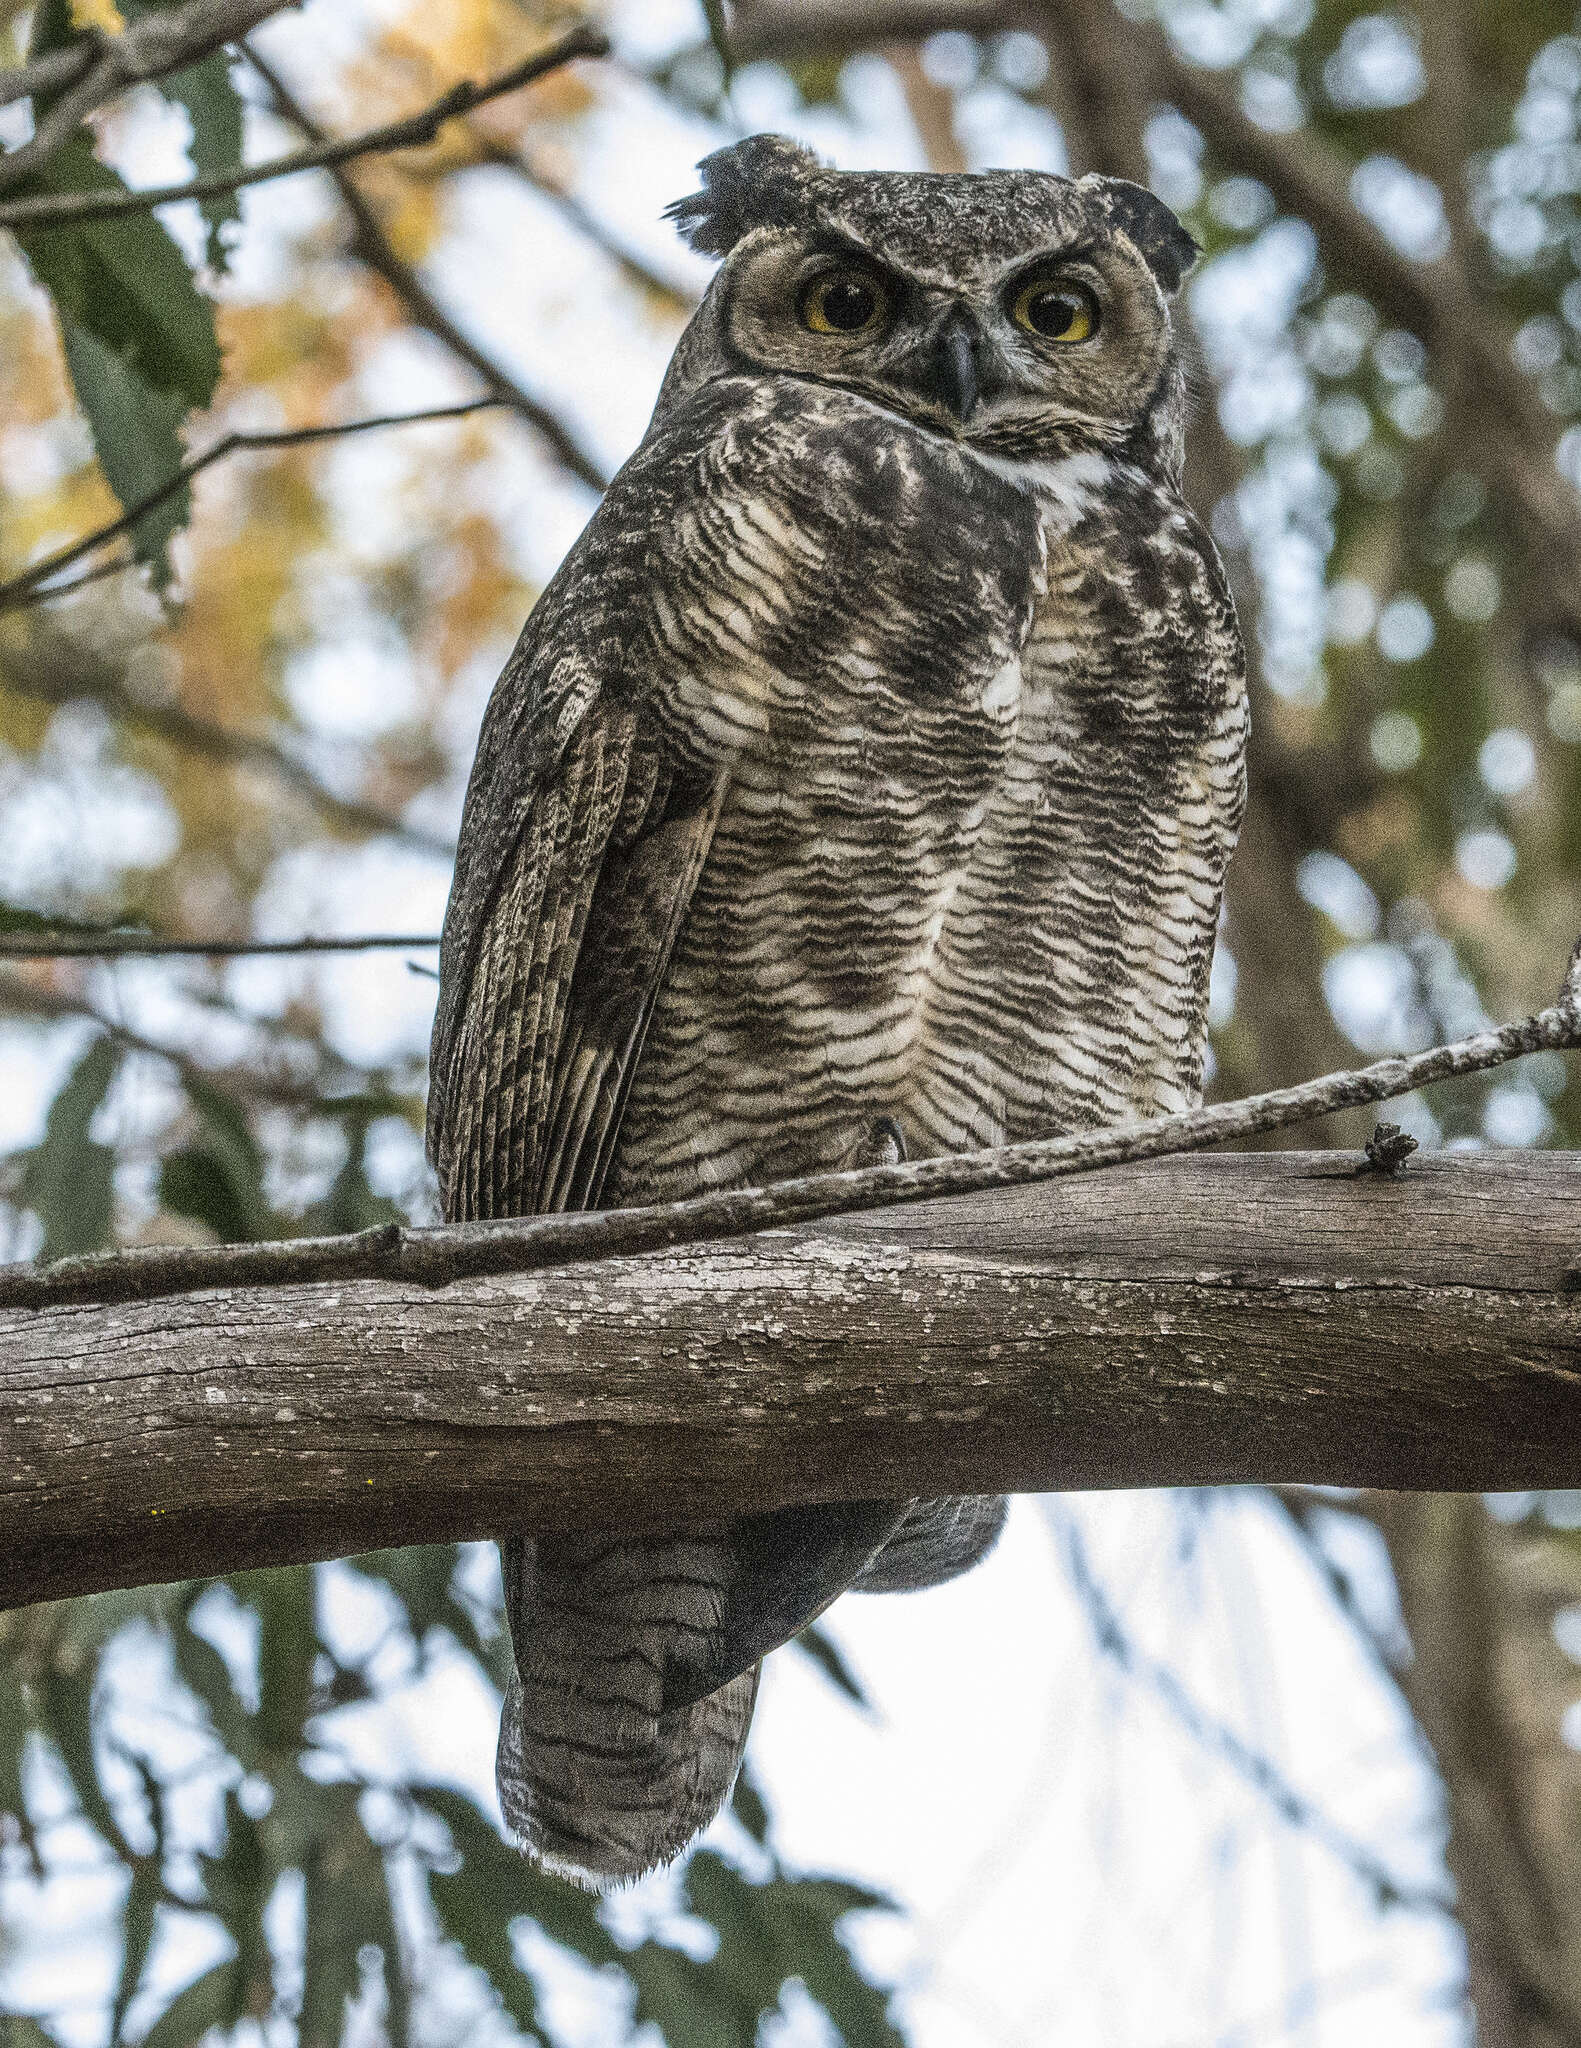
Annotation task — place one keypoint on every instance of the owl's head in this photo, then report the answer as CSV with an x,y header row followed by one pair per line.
x,y
1023,313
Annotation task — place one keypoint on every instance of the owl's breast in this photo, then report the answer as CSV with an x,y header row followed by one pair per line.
x,y
969,863
1070,985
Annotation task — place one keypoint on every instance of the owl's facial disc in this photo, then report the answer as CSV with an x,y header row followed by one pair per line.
x,y
1064,340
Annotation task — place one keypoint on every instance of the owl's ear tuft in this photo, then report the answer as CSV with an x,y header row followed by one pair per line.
x,y
759,183
1169,248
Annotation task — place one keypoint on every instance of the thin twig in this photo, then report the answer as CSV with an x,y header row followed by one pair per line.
x,y
96,68
1216,1736
149,945
99,573
17,589
254,1081
181,728
500,156
67,209
372,247
435,1257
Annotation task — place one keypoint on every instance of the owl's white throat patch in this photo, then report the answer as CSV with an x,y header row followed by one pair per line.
x,y
1003,691
1073,486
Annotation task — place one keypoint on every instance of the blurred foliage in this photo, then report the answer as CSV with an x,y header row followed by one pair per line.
x,y
1419,755
236,1791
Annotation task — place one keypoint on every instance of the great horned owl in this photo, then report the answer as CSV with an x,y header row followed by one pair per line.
x,y
863,781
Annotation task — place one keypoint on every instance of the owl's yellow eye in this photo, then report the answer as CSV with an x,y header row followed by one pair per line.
x,y
1055,309
846,301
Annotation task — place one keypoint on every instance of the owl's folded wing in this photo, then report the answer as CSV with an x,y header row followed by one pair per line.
x,y
554,962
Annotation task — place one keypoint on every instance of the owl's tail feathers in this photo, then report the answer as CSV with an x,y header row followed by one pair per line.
x,y
936,1540
637,1669
598,1780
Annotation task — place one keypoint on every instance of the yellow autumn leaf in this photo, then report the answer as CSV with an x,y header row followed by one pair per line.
x,y
100,14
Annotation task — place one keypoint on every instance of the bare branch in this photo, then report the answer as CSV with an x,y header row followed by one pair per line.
x,y
258,1081
20,587
221,743
66,209
1217,1738
149,945
452,1252
99,573
373,248
89,72
500,156
1248,1317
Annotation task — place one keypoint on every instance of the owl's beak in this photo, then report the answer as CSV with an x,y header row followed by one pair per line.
x,y
953,371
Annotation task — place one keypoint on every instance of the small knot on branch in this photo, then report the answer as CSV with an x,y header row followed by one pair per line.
x,y
1387,1150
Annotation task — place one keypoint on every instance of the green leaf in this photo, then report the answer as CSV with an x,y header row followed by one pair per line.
x,y
283,1600
746,1803
21,2030
494,1886
137,1937
422,1578
772,1933
66,1178
238,1882
50,924
859,2009
825,1653
477,1918
346,1905
68,1720
205,1671
15,1721
218,1178
719,35
136,436
138,335
214,108
208,2001
125,281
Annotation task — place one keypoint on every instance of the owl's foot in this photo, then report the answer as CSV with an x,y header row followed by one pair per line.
x,y
883,1145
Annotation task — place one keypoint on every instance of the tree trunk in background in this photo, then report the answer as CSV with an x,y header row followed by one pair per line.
x,y
1490,1687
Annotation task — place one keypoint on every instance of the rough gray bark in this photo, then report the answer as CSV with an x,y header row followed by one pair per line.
x,y
1245,1317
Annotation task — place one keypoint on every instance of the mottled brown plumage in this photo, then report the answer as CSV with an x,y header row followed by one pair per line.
x,y
870,766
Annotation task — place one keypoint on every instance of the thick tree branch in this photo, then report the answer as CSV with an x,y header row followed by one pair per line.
x,y
1250,1317
65,209
96,67
441,1256
372,248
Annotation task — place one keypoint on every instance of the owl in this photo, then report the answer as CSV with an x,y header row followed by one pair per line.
x,y
861,786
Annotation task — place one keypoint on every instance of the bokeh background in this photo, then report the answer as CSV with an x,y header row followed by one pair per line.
x,y
1228,1768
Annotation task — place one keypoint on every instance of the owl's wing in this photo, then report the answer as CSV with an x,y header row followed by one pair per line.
x,y
586,826
546,1008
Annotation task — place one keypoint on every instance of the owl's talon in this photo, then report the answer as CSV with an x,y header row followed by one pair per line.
x,y
884,1145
